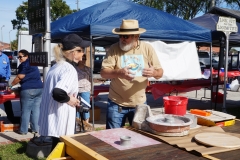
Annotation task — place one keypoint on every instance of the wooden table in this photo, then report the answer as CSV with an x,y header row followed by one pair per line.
x,y
85,146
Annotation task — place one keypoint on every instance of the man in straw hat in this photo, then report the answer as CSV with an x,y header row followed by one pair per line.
x,y
128,64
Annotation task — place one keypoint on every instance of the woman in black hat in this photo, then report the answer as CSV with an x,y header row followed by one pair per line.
x,y
59,99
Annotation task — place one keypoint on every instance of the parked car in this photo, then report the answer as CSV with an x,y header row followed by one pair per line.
x,y
98,58
12,55
204,60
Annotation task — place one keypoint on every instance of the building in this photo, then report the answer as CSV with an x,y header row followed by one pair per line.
x,y
4,46
215,50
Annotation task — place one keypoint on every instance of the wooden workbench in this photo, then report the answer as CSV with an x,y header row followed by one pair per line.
x,y
86,146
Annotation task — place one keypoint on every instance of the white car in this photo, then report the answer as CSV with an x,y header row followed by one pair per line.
x,y
204,60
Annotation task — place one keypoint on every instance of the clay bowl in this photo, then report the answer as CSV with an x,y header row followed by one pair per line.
x,y
169,125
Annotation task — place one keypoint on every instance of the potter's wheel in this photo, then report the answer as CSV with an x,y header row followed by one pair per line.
x,y
169,125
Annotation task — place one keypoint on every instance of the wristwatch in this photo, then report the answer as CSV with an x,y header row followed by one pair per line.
x,y
10,86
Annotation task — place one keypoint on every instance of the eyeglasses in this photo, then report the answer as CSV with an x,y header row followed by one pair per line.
x,y
125,36
20,57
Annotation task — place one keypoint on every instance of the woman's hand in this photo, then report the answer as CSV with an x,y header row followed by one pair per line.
x,y
73,101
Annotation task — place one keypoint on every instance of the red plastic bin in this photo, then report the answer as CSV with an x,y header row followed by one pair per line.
x,y
219,97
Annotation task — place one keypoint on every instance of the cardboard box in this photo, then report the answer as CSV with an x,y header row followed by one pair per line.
x,y
97,114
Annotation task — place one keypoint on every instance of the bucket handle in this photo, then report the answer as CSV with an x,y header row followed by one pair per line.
x,y
179,102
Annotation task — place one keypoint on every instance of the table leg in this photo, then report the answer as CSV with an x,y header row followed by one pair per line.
x,y
9,112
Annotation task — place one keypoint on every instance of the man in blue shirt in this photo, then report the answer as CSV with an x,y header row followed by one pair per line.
x,y
5,69
5,74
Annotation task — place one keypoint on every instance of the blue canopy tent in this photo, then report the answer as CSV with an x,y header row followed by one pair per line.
x,y
96,23
209,21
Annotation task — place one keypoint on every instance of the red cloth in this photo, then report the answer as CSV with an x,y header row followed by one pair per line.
x,y
99,89
230,74
160,89
7,97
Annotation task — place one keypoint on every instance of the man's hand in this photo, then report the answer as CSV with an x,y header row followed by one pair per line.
x,y
125,73
148,72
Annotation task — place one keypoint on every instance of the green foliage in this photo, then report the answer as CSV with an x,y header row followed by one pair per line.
x,y
59,9
158,4
21,16
14,45
235,4
185,9
15,151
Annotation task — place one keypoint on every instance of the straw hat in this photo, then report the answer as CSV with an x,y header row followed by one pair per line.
x,y
129,27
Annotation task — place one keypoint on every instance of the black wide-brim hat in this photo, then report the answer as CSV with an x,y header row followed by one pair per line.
x,y
72,41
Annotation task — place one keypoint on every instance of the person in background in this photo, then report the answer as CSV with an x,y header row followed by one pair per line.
x,y
128,63
84,88
5,74
59,100
30,94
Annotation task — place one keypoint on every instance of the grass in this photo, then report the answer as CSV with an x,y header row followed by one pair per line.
x,y
15,151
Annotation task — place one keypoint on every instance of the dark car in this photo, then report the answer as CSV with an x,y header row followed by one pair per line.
x,y
12,55
98,58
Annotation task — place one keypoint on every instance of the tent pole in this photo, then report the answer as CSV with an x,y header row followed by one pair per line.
x,y
211,68
225,72
92,84
221,55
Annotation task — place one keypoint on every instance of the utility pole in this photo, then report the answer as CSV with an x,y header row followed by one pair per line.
x,y
212,3
77,2
10,46
1,33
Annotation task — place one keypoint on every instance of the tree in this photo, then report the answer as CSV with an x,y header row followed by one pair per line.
x,y
59,9
235,4
185,9
21,16
158,4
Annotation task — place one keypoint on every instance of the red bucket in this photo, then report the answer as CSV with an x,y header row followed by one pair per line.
x,y
176,105
219,98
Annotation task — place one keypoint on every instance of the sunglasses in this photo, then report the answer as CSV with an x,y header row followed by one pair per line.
x,y
20,57
125,36
80,51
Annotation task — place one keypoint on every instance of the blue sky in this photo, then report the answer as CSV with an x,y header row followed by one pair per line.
x,y
7,13
8,8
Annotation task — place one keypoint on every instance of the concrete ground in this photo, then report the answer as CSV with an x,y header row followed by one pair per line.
x,y
194,102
